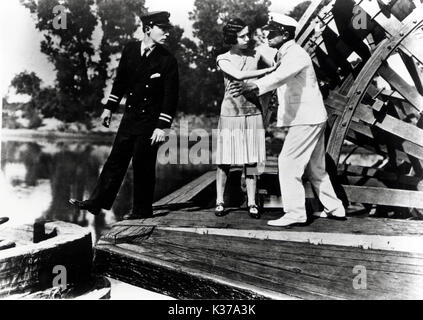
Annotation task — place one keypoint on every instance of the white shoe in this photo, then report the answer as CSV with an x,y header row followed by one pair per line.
x,y
285,221
337,213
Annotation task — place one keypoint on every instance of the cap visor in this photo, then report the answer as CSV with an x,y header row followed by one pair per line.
x,y
164,25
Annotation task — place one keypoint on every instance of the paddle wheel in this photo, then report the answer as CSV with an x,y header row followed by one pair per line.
x,y
368,57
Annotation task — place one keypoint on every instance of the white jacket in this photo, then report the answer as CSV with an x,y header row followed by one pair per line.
x,y
300,100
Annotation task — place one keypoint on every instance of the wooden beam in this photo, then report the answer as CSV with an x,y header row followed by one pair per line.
x,y
391,125
367,172
412,135
373,242
413,69
372,8
4,244
305,22
407,91
384,196
407,147
217,266
189,191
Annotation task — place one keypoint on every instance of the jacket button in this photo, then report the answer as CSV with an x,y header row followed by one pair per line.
x,y
130,93
146,86
145,99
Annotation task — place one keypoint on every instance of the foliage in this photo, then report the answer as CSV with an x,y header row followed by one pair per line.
x,y
208,18
298,11
81,65
26,83
96,32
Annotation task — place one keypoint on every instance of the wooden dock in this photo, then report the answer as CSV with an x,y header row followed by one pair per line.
x,y
186,252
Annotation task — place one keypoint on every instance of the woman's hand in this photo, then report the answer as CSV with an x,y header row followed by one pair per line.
x,y
242,88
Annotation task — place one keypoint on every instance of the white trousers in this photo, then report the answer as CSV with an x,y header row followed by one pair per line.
x,y
304,151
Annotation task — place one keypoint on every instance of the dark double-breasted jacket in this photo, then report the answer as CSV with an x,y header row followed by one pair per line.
x,y
150,84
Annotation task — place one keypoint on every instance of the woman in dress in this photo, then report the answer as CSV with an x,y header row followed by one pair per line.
x,y
240,134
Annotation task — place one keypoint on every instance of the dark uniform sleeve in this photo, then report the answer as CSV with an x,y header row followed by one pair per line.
x,y
171,93
120,84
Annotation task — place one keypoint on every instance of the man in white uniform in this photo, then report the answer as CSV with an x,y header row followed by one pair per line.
x,y
302,111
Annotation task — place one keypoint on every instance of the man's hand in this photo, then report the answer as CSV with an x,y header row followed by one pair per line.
x,y
158,136
246,88
106,117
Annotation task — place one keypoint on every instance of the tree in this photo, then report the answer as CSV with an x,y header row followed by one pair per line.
x,y
299,10
26,83
81,65
208,17
185,51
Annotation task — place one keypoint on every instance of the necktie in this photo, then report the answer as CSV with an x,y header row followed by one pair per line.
x,y
146,52
278,56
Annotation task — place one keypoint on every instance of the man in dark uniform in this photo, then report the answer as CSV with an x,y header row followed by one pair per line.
x,y
148,76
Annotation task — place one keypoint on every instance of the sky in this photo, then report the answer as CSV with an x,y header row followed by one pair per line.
x,y
20,41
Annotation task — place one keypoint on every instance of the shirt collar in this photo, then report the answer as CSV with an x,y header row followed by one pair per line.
x,y
143,47
284,48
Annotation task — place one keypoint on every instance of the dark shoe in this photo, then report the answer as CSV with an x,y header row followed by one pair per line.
x,y
86,205
135,216
254,212
4,220
220,210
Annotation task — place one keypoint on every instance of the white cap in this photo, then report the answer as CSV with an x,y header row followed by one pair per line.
x,y
282,19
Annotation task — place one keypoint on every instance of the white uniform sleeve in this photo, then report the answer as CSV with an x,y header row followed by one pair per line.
x,y
291,64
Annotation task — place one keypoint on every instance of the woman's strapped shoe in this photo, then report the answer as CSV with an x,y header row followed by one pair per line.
x,y
220,210
254,212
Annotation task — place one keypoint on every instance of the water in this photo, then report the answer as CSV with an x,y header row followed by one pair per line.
x,y
38,176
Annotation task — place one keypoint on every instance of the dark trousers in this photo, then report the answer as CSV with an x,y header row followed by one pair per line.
x,y
143,154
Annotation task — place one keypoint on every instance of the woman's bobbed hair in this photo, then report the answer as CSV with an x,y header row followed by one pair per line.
x,y
231,29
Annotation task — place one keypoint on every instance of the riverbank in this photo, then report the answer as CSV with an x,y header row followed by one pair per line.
x,y
53,129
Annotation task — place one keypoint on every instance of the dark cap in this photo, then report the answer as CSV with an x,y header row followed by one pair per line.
x,y
157,18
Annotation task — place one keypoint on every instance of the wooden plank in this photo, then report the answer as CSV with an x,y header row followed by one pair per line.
x,y
400,129
390,125
375,242
361,135
188,191
374,92
390,24
364,172
407,91
238,219
205,262
413,69
385,196
304,21
5,244
127,263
